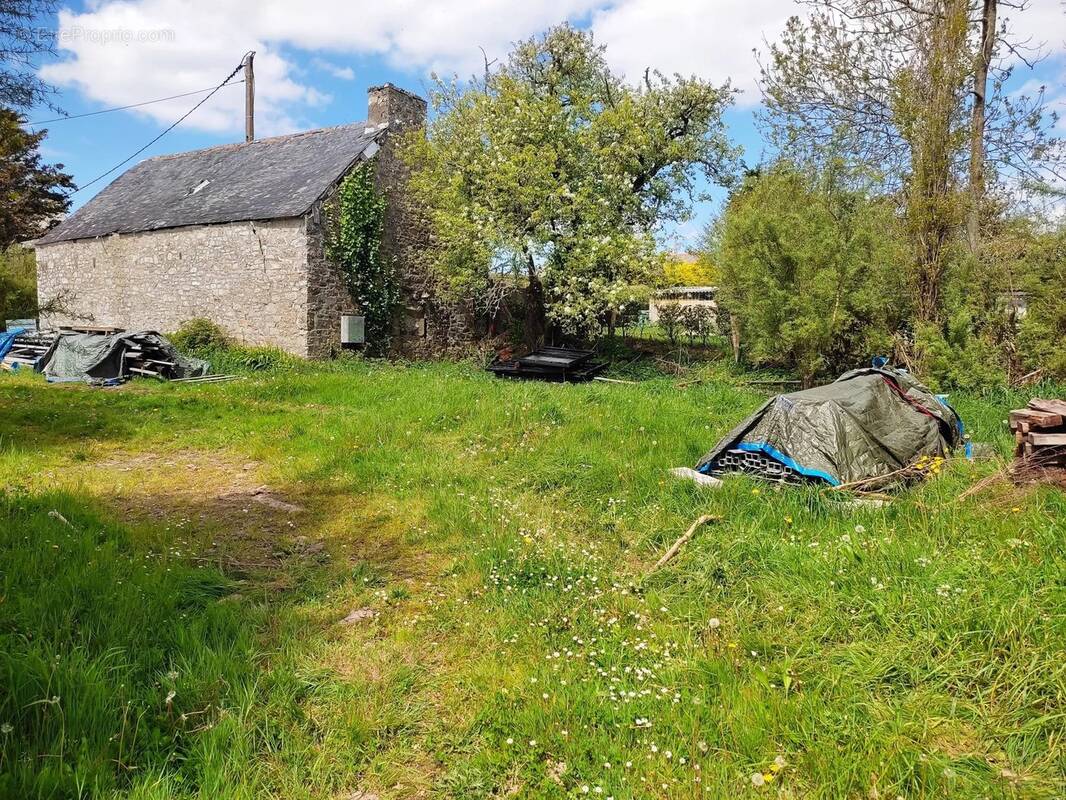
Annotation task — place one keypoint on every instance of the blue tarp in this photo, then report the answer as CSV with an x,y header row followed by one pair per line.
x,y
7,339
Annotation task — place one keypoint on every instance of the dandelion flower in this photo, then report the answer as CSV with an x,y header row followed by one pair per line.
x,y
757,779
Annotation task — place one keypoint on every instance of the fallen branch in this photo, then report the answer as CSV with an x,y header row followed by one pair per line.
x,y
57,516
614,380
676,546
855,486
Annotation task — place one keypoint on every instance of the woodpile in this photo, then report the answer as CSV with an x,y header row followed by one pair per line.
x,y
104,357
1040,432
27,349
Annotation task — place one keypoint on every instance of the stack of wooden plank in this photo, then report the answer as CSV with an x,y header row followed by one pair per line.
x,y
551,364
140,357
27,350
1040,432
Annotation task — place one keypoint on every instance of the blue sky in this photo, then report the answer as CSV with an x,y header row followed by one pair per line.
x,y
315,61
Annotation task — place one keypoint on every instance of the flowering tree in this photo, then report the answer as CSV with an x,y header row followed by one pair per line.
x,y
553,169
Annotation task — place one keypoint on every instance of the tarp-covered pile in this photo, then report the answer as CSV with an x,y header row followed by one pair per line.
x,y
23,348
114,357
867,424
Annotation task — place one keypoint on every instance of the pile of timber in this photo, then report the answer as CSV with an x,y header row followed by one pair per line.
x,y
136,354
28,348
1040,432
558,364
142,357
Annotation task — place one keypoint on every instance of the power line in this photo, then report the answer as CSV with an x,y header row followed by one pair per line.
x,y
123,108
164,133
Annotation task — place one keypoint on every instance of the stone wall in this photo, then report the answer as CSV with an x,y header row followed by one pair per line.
x,y
425,325
328,296
249,277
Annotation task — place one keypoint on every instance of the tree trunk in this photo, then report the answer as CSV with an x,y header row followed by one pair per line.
x,y
533,330
931,207
977,125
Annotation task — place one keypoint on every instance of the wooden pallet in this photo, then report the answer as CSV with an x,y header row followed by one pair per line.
x,y
1040,432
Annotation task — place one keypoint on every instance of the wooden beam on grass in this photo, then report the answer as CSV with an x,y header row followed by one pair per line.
x,y
675,548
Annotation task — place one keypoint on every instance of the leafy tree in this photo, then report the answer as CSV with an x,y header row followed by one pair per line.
x,y
31,196
23,39
682,272
901,90
18,284
554,169
810,271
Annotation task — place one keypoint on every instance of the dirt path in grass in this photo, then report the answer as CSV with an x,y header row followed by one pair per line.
x,y
220,509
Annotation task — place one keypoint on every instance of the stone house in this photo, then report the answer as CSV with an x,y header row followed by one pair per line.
x,y
236,234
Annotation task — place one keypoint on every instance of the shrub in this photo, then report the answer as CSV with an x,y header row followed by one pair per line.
x,y
670,315
959,358
18,284
811,272
204,338
200,335
698,322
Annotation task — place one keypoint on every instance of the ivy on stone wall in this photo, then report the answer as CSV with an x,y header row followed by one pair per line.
x,y
353,243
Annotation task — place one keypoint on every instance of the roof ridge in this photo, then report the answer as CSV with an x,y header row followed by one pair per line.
x,y
267,140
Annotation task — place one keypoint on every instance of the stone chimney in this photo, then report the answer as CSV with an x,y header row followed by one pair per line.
x,y
399,108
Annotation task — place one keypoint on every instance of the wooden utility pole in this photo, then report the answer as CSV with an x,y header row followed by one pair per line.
x,y
249,98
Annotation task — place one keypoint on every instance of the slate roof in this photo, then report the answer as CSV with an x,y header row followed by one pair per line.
x,y
264,179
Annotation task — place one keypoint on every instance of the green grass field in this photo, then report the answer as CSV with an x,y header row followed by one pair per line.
x,y
171,629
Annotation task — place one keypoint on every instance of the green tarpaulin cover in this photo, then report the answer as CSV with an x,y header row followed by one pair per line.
x,y
868,423
100,358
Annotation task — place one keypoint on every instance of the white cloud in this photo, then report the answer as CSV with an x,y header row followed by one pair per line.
x,y
1042,25
710,38
124,51
337,71
128,52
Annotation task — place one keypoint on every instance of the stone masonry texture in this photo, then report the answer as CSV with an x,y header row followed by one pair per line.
x,y
249,277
